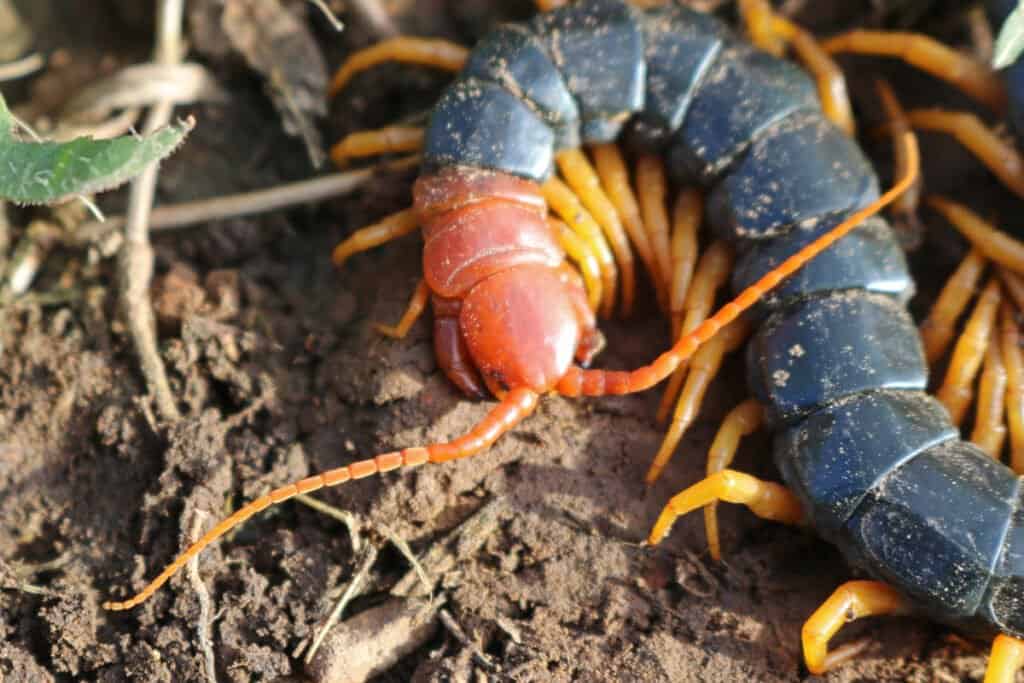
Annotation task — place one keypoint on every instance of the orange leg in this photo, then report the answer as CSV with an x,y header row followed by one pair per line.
x,y
412,313
580,382
1000,157
956,392
1010,346
583,179
743,420
581,253
904,209
394,226
983,236
370,143
516,406
990,421
1006,660
702,370
566,204
938,328
548,5
653,187
852,600
442,54
713,270
772,32
929,55
611,168
686,218
765,499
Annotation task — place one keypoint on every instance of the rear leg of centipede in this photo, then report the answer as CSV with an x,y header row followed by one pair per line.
x,y
1006,659
441,54
853,600
368,143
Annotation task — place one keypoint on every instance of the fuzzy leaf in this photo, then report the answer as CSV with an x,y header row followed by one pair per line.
x,y
51,172
1010,43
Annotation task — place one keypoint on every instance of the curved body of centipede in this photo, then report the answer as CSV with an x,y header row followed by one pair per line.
x,y
870,460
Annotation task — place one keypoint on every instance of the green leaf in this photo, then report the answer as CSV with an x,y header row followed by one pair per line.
x,y
1010,43
51,172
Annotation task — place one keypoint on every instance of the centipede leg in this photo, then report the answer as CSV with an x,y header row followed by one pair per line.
x,y
956,391
652,184
394,226
611,168
1000,157
1014,361
686,219
712,273
370,143
852,600
765,499
743,420
583,179
584,258
938,328
1006,659
442,54
412,313
904,211
929,55
567,205
990,418
702,370
772,32
983,236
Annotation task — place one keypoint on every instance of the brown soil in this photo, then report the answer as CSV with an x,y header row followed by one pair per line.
x,y
270,351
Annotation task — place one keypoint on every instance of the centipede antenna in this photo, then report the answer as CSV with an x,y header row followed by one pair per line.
x,y
514,407
580,382
442,54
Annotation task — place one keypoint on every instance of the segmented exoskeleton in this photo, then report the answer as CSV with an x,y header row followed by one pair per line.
x,y
871,461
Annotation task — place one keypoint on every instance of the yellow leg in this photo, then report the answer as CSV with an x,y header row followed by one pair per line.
x,y
581,253
442,54
990,420
370,143
929,55
713,270
704,365
983,236
686,219
611,168
653,187
1000,157
743,420
412,313
1006,659
937,329
772,32
394,226
1010,346
765,499
566,204
851,601
956,392
903,210
548,5
583,179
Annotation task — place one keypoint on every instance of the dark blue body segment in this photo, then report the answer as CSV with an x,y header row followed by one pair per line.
x,y
1003,605
743,94
514,57
681,46
934,527
599,48
868,258
801,170
821,350
839,453
478,123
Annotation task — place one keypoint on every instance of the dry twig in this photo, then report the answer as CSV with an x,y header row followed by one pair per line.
x,y
205,609
355,586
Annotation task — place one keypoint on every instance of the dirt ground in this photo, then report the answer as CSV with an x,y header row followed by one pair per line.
x,y
269,349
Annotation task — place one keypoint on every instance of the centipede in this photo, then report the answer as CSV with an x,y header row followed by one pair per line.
x,y
835,363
